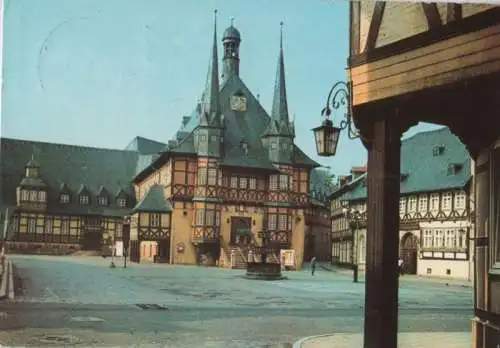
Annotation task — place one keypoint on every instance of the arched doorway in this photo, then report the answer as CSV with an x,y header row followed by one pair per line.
x,y
409,246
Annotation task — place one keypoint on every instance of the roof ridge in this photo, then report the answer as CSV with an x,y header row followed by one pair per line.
x,y
65,145
425,132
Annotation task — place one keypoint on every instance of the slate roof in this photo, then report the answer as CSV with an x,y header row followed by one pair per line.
x,y
154,201
240,126
145,146
71,169
422,170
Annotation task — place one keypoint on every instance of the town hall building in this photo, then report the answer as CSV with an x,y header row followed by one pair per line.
x,y
230,180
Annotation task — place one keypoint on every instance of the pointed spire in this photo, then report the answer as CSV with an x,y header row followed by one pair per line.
x,y
279,111
211,101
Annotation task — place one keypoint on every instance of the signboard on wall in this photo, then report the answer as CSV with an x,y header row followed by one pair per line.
x,y
288,257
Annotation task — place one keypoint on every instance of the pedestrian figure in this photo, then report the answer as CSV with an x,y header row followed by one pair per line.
x,y
313,265
400,265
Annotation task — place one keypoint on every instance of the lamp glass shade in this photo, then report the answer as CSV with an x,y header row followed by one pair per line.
x,y
327,138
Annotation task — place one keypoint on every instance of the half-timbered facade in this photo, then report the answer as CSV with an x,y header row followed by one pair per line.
x,y
232,172
231,176
426,62
62,198
435,210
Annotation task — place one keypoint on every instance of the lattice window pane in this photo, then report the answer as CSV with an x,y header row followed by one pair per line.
x,y
234,182
212,176
252,183
243,183
202,176
272,222
282,222
273,182
155,219
210,217
284,180
200,217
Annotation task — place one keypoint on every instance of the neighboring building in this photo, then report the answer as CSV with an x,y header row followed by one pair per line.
x,y
231,172
436,209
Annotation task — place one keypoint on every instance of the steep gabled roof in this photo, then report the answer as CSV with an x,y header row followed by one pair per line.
x,y
423,171
67,168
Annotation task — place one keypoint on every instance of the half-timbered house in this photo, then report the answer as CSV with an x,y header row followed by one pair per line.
x,y
231,178
232,174
435,209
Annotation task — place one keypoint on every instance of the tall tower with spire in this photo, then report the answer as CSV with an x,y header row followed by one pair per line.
x,y
279,135
231,60
209,133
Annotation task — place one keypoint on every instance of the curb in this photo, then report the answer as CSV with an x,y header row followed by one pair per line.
x,y
3,286
298,344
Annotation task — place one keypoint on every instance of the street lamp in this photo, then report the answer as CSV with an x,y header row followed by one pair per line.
x,y
126,238
327,134
354,217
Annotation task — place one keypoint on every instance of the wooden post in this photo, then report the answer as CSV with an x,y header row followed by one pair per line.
x,y
381,276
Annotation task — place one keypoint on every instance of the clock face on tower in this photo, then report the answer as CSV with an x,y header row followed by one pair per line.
x,y
238,103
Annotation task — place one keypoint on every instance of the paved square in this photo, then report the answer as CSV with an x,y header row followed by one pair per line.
x,y
82,299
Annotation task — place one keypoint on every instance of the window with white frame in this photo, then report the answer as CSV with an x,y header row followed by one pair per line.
x,y
422,204
434,206
25,196
48,225
64,198
402,205
65,227
42,196
202,176
233,182
412,204
252,183
212,176
460,198
210,218
272,222
273,182
446,200
122,202
102,201
438,239
33,196
282,222
428,239
155,219
31,224
84,199
200,217
284,181
243,183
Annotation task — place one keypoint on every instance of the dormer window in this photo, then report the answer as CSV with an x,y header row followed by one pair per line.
x,y
121,202
102,201
438,150
64,198
454,168
84,200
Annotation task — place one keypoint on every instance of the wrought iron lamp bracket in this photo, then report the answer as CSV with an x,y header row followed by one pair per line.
x,y
340,96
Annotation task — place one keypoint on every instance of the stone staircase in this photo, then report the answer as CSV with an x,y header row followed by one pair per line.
x,y
238,257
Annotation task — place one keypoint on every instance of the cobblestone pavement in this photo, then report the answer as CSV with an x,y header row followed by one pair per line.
x,y
81,301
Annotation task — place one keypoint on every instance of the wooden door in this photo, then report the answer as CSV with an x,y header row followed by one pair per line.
x,y
409,253
241,230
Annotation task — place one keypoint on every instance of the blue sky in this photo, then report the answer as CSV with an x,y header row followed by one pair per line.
x,y
98,73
